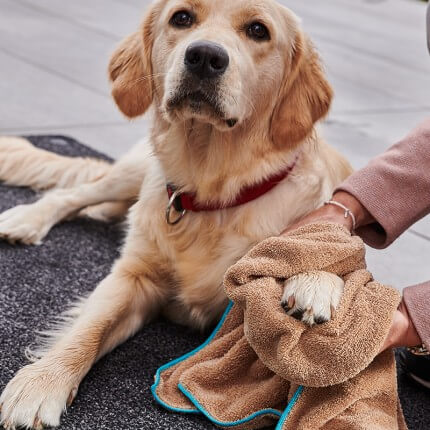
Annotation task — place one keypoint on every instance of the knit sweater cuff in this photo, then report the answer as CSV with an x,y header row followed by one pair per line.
x,y
417,300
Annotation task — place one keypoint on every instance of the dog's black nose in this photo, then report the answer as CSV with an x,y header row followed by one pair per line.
x,y
206,59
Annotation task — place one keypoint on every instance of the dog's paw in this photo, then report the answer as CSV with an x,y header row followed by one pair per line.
x,y
312,297
23,224
36,397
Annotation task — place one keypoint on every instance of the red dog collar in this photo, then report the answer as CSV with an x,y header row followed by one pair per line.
x,y
183,202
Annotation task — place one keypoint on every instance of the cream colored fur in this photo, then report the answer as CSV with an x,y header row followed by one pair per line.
x,y
312,296
21,164
276,91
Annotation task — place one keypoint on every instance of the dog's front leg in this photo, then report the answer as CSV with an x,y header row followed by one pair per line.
x,y
40,392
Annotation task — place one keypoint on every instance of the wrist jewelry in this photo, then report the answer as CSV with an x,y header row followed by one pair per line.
x,y
419,350
348,212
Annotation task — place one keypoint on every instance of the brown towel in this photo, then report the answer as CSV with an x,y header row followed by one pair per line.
x,y
261,366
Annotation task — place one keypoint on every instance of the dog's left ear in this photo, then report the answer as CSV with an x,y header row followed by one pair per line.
x,y
305,96
130,70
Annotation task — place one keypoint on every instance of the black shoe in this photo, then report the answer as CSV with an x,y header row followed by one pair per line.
x,y
417,367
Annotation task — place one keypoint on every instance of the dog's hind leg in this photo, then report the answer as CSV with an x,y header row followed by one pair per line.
x,y
22,164
30,223
117,190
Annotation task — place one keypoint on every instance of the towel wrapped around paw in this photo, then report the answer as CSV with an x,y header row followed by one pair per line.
x,y
261,367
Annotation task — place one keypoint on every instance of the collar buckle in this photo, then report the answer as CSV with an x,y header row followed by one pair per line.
x,y
176,204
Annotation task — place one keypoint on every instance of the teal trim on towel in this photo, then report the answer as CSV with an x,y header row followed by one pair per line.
x,y
289,407
226,423
196,403
184,357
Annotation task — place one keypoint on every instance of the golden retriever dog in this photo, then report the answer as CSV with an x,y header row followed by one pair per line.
x,y
235,89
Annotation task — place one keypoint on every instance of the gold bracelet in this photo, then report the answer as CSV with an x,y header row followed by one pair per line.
x,y
419,350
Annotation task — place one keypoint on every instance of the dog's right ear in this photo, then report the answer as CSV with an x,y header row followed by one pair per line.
x,y
130,70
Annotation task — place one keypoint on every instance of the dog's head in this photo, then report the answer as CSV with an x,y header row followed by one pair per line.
x,y
223,62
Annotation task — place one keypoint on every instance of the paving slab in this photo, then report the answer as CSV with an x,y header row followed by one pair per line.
x,y
403,263
75,53
385,128
393,30
377,61
113,19
33,97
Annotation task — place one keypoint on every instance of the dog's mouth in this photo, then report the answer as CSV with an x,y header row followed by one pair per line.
x,y
200,103
198,99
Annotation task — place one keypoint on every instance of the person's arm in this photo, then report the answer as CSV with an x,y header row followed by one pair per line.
x,y
386,197
417,303
394,188
411,322
391,194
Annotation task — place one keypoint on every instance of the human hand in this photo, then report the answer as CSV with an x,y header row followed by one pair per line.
x,y
335,214
402,331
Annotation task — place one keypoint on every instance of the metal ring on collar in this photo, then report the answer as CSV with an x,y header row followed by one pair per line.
x,y
169,210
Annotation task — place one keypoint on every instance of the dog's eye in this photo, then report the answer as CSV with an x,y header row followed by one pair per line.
x,y
258,31
182,19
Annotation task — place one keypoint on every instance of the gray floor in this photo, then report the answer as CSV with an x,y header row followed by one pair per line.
x,y
53,58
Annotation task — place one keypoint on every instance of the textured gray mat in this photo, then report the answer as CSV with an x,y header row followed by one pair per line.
x,y
36,283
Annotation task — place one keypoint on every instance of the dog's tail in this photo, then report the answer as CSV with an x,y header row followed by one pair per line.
x,y
22,164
